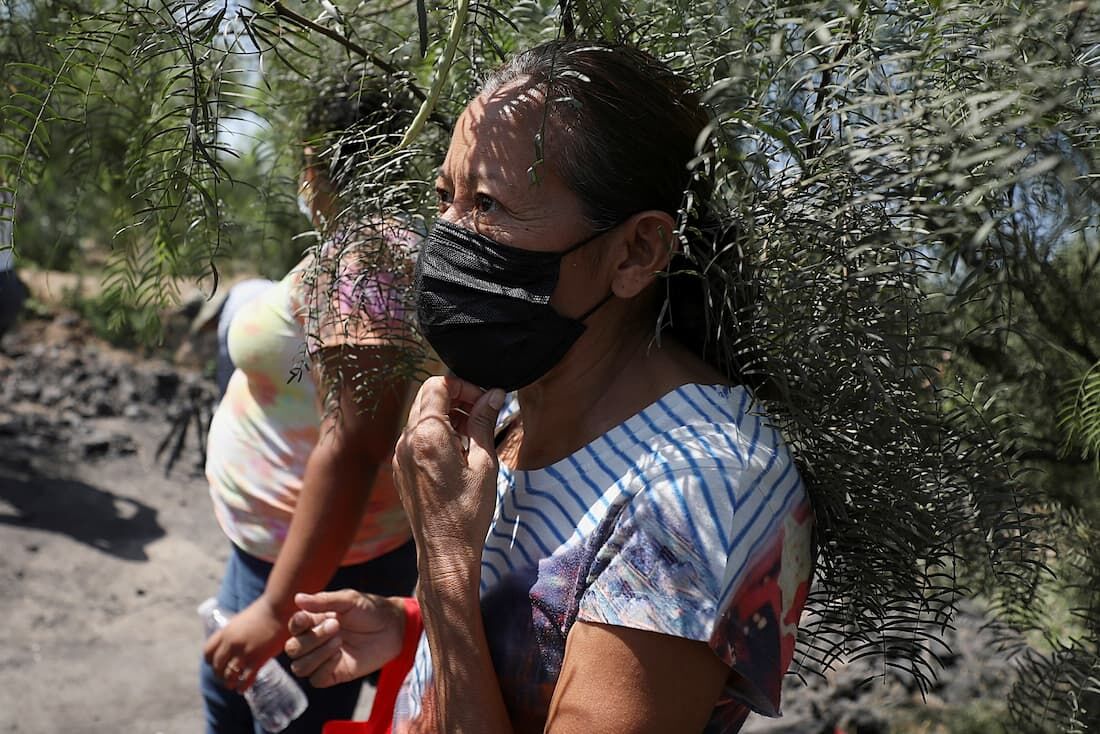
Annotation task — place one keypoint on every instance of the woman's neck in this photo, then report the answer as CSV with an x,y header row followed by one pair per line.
x,y
601,382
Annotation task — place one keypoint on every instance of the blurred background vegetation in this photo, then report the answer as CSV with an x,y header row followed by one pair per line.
x,y
915,181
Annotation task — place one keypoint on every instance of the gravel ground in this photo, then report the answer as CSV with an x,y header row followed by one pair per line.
x,y
104,556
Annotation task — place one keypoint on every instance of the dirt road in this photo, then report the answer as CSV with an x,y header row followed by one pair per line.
x,y
104,561
104,558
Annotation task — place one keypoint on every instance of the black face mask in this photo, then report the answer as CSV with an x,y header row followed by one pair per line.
x,y
485,307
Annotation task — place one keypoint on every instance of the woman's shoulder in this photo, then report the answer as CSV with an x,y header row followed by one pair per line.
x,y
706,409
691,426
715,426
363,242
677,388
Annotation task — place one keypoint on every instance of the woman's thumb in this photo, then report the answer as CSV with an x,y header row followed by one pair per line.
x,y
482,422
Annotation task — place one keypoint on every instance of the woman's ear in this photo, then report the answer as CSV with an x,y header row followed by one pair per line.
x,y
648,243
314,183
309,170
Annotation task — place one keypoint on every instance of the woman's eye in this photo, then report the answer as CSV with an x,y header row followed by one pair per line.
x,y
484,203
443,199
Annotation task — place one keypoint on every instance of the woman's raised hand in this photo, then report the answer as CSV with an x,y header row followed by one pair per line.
x,y
343,635
445,468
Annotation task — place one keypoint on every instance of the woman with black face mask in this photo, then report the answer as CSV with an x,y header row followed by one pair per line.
x,y
610,536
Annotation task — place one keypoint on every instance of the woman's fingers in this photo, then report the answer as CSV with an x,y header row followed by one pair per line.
x,y
328,603
416,410
325,674
481,427
441,397
234,673
218,659
433,401
210,647
304,621
304,643
246,676
460,391
313,663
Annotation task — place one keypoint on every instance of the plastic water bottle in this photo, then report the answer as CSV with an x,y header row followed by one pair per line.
x,y
274,697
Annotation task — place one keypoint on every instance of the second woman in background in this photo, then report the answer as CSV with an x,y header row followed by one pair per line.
x,y
302,488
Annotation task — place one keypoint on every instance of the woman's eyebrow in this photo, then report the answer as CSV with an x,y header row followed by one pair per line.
x,y
474,177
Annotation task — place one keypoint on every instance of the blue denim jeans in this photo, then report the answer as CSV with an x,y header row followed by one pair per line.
x,y
393,574
12,295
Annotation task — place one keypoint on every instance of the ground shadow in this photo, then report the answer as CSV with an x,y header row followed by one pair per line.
x,y
117,525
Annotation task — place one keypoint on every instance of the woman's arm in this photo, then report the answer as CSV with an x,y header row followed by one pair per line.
x,y
449,494
466,692
628,681
614,679
354,441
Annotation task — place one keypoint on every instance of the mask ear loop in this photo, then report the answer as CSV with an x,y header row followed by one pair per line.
x,y
574,248
582,243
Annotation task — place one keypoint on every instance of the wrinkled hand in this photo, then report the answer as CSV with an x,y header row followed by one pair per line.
x,y
251,638
445,468
339,636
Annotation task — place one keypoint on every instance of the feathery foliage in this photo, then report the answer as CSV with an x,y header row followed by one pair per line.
x,y
912,286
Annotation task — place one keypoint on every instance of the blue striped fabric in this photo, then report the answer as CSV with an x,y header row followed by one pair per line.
x,y
688,519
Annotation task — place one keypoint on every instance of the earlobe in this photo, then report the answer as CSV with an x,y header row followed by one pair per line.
x,y
648,244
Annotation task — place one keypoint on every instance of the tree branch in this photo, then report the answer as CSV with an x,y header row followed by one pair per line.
x,y
812,149
302,22
442,71
386,10
1089,267
1057,326
1051,457
568,27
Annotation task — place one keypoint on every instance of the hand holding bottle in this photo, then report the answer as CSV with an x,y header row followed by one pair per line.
x,y
274,697
249,639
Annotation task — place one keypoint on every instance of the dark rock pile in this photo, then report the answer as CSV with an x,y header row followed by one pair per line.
x,y
68,395
865,696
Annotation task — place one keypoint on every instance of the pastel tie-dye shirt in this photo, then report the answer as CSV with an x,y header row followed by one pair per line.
x,y
269,419
688,519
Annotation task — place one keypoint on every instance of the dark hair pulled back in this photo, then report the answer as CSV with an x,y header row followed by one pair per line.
x,y
351,110
625,130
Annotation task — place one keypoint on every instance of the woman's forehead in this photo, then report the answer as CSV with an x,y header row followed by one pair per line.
x,y
500,129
